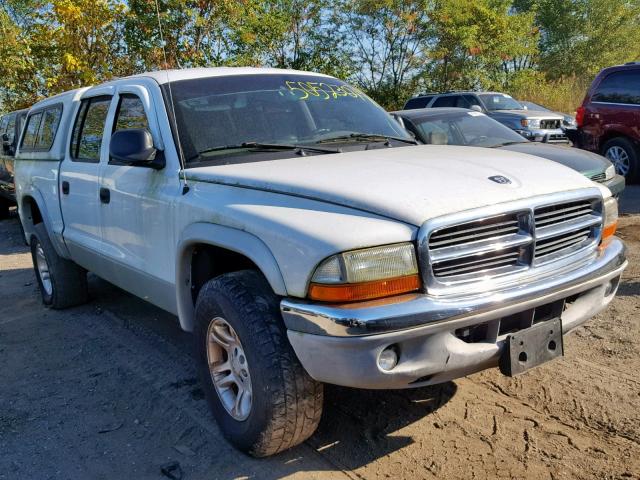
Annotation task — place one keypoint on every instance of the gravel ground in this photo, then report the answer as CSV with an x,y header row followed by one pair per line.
x,y
108,390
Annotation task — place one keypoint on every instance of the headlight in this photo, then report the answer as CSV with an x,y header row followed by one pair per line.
x,y
365,274
610,221
534,123
609,172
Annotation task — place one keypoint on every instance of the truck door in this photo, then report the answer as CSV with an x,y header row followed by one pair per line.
x,y
80,180
136,208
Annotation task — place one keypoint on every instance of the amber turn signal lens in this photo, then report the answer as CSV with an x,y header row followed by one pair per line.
x,y
607,234
353,292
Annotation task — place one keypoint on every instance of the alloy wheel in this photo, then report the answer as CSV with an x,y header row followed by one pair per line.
x,y
43,270
229,369
620,158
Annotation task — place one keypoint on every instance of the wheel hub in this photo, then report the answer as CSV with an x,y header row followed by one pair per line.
x,y
229,369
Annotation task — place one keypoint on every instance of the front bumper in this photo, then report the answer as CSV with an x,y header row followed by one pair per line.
x,y
544,135
616,185
341,344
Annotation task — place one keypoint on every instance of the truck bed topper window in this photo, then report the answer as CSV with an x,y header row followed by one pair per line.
x,y
41,129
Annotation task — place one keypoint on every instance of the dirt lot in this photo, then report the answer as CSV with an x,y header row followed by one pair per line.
x,y
108,391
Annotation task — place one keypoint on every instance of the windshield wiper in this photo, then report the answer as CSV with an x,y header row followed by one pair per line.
x,y
258,146
506,144
366,137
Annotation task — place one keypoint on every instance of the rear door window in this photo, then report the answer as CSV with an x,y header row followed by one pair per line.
x,y
619,87
448,101
467,101
88,129
418,102
31,131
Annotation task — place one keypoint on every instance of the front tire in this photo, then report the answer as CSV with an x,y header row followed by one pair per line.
x,y
4,208
62,283
262,398
623,154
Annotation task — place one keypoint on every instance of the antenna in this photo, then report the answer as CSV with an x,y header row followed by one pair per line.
x,y
185,187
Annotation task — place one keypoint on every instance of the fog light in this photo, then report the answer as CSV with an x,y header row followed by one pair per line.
x,y
388,359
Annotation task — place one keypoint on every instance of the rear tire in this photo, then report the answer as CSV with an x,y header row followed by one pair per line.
x,y
62,283
623,154
285,403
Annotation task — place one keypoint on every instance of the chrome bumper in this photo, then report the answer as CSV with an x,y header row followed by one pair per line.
x,y
340,344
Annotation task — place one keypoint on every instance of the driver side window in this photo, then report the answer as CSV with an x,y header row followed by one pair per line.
x,y
130,113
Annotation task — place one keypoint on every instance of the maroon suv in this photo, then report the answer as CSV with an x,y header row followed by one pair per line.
x,y
609,118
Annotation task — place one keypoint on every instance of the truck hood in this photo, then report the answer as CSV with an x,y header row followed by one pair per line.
x,y
580,160
410,184
527,114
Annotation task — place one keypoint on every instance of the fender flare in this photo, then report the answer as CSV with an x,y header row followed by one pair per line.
x,y
57,242
229,238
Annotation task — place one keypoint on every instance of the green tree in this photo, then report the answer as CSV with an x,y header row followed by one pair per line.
x,y
388,40
293,34
479,43
580,37
196,33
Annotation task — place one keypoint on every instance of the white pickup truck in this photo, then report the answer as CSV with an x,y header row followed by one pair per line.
x,y
297,230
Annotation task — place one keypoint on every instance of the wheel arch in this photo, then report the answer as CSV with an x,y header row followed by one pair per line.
x,y
226,249
32,210
611,134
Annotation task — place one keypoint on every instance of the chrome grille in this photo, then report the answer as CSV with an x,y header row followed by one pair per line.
x,y
474,231
550,124
563,228
598,177
477,263
493,242
564,212
473,247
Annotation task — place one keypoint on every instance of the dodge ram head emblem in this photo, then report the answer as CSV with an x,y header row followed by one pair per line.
x,y
500,179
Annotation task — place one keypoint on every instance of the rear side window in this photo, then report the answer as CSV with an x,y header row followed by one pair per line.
x,y
467,101
3,123
31,131
418,102
619,87
88,129
449,101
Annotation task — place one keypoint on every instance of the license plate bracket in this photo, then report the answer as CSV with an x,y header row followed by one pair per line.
x,y
531,347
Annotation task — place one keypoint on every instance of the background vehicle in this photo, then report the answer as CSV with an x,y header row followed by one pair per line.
x,y
457,126
297,230
10,128
537,126
568,122
609,118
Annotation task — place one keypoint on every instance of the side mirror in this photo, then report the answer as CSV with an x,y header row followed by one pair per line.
x,y
135,147
476,108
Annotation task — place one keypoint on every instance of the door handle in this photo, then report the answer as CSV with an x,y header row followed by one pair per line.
x,y
105,195
65,187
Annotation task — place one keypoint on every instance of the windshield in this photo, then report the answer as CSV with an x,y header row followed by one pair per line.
x,y
218,116
499,101
535,106
465,128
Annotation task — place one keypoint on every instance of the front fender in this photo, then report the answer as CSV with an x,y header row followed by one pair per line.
x,y
225,237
